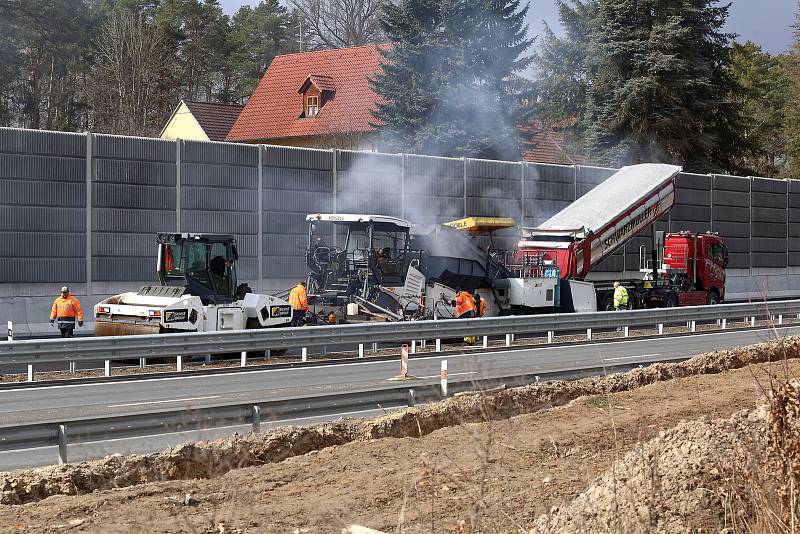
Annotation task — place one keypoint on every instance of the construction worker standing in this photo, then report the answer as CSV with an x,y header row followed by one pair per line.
x,y
66,309
480,305
620,297
298,299
465,305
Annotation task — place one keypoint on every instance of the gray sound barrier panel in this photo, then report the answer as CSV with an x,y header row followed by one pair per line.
x,y
296,182
547,190
433,189
219,195
133,198
589,177
42,207
369,183
285,157
494,188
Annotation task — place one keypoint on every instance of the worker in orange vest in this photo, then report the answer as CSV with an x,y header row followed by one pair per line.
x,y
480,305
298,299
465,305
66,309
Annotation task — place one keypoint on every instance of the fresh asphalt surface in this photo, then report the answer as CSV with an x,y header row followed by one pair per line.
x,y
77,400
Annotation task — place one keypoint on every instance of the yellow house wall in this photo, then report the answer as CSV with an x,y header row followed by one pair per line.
x,y
183,125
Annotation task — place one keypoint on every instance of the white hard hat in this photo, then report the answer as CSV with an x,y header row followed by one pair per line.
x,y
65,289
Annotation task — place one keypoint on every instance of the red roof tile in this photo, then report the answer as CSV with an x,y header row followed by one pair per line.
x,y
274,109
541,144
216,120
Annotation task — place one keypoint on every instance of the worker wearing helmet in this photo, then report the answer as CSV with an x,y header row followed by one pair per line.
x,y
66,309
465,305
298,299
620,297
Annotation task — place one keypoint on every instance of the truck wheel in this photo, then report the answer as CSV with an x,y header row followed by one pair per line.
x,y
671,301
608,303
713,298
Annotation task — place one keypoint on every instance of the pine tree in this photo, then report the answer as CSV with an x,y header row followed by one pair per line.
x,y
660,88
791,128
764,84
447,82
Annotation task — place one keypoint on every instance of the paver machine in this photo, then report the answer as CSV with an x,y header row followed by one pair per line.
x,y
198,291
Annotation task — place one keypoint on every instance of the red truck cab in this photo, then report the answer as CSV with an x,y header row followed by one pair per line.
x,y
695,265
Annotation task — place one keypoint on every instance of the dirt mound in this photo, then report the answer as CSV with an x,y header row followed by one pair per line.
x,y
740,473
212,459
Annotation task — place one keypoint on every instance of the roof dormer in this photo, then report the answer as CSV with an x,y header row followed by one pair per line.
x,y
315,91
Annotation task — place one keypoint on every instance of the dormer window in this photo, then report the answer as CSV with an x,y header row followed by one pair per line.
x,y
312,106
316,91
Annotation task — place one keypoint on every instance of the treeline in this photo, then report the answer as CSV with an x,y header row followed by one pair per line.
x,y
646,80
120,66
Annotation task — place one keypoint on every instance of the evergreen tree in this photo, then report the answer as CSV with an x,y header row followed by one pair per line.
x,y
257,35
660,87
447,82
764,84
791,128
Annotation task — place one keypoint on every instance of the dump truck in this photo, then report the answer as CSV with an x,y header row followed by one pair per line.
x,y
684,268
198,291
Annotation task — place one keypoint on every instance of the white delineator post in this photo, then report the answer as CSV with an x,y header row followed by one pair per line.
x,y
444,378
10,331
404,361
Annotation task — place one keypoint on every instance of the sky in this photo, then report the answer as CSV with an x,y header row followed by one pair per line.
x,y
766,22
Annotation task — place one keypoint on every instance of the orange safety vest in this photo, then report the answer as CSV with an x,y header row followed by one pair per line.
x,y
464,303
298,298
66,307
169,259
482,309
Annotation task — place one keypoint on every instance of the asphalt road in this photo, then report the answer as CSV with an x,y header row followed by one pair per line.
x,y
76,400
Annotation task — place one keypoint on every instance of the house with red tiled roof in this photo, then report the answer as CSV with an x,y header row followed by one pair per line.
x,y
542,144
313,99
201,121
322,99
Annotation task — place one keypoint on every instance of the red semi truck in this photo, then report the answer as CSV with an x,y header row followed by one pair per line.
x,y
685,268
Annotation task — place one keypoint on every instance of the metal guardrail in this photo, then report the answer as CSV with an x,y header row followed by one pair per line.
x,y
35,351
60,432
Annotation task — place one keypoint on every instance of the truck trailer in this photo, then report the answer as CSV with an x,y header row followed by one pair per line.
x,y
684,268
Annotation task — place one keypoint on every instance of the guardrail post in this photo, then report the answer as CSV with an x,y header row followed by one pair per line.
x,y
413,346
588,334
30,372
508,340
624,331
256,418
438,345
179,363
752,321
208,359
411,400
660,329
693,326
10,331
780,318
72,367
485,342
724,324
62,444
444,378
550,336
142,363
423,343
374,347
304,355
107,367
243,362
360,350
